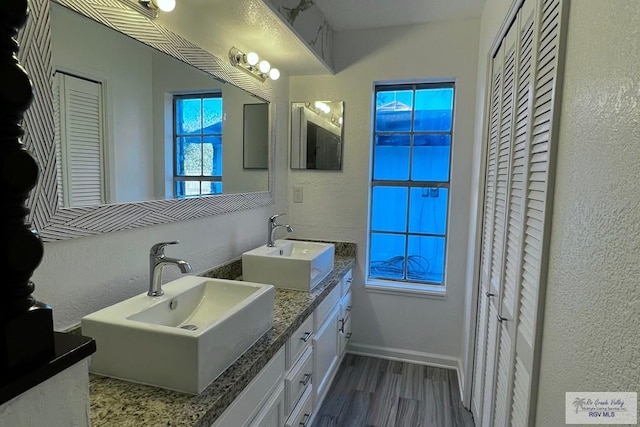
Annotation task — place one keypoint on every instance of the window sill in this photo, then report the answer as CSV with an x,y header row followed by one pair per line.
x,y
413,290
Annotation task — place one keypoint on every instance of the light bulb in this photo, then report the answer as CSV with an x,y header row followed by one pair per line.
x,y
165,5
323,107
274,74
264,66
252,58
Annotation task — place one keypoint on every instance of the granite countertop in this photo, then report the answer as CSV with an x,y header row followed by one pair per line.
x,y
122,403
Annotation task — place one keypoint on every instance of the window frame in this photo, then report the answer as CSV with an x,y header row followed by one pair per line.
x,y
405,285
174,144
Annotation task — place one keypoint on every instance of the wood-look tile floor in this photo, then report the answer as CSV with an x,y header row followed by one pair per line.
x,y
384,393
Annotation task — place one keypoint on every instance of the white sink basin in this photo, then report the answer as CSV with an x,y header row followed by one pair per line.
x,y
184,339
291,264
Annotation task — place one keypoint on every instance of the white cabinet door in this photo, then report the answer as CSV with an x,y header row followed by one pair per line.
x,y
258,398
325,354
272,413
344,322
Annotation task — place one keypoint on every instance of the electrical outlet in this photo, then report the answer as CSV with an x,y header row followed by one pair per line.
x,y
297,195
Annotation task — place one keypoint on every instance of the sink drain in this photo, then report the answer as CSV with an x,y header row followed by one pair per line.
x,y
189,327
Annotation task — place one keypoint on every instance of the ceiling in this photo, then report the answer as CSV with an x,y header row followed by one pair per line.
x,y
361,14
255,25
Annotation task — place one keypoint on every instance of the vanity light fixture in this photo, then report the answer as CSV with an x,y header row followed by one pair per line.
x,y
251,63
156,5
322,107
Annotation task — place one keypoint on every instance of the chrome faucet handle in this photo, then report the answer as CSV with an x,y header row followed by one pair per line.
x,y
158,248
272,218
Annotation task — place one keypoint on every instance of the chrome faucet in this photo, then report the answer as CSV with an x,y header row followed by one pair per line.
x,y
157,262
273,226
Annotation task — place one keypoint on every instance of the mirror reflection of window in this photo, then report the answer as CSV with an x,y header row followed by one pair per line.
x,y
198,120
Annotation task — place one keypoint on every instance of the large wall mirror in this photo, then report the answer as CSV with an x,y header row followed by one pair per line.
x,y
141,127
317,135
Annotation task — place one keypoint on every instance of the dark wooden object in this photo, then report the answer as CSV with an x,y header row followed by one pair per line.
x,y
26,325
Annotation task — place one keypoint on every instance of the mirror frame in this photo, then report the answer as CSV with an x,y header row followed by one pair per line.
x,y
47,215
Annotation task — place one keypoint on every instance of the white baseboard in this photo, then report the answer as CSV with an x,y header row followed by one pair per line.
x,y
410,356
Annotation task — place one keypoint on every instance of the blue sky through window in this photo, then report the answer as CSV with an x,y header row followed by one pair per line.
x,y
410,194
198,144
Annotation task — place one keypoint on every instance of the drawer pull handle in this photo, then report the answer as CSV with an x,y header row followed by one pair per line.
x,y
306,337
305,420
306,379
342,322
349,335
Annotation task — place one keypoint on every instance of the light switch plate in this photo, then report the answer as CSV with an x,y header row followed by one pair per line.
x,y
297,195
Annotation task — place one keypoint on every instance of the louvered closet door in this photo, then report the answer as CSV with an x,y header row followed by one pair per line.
x,y
517,191
537,209
522,31
81,140
482,332
495,405
505,61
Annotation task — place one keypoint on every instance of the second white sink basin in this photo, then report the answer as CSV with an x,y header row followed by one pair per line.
x,y
184,339
291,264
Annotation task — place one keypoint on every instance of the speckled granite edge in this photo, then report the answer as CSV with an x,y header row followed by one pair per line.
x,y
230,270
122,403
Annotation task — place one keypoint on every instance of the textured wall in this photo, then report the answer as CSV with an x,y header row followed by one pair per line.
x,y
591,339
336,203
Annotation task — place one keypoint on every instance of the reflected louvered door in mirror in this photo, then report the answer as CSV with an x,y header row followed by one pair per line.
x,y
517,202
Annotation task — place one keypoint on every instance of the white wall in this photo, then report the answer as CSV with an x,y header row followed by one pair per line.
x,y
335,203
79,276
590,339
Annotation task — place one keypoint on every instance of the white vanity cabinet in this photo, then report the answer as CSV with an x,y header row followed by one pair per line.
x,y
261,403
329,343
299,376
295,381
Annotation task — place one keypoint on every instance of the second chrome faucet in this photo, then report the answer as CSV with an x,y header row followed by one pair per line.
x,y
157,261
273,226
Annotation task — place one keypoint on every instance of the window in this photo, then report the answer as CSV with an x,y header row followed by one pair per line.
x,y
409,197
197,145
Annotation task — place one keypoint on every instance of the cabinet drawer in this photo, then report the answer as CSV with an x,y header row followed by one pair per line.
x,y
298,379
322,311
299,341
346,282
345,306
301,415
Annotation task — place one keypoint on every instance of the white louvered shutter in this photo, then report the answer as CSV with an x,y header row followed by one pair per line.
x,y
537,207
517,205
488,220
81,140
504,340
